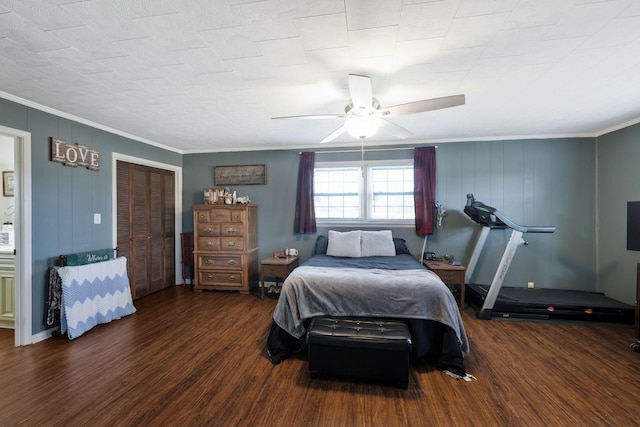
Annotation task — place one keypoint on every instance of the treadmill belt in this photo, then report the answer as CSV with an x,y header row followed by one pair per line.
x,y
561,303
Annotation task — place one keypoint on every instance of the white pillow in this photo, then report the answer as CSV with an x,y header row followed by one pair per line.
x,y
377,243
345,244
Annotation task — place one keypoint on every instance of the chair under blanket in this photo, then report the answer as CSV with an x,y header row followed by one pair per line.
x,y
363,348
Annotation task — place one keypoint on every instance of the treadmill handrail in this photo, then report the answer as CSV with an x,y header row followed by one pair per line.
x,y
473,204
524,228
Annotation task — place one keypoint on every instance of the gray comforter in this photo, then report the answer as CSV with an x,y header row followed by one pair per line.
x,y
416,293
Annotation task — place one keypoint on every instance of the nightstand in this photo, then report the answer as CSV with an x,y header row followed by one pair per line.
x,y
450,275
277,268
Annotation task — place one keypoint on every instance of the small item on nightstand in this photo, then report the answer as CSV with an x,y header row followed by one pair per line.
x,y
430,256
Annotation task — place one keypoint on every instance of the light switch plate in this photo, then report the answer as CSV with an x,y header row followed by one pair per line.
x,y
97,218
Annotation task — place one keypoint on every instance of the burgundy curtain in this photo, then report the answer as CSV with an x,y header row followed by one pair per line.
x,y
305,219
424,169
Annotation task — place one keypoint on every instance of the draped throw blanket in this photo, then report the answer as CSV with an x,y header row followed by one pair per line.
x,y
93,294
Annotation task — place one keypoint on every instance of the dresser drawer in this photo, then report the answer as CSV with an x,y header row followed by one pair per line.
x,y
220,215
231,229
208,229
214,215
208,244
231,243
221,278
208,262
202,216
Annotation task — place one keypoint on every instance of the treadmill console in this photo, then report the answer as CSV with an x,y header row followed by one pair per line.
x,y
482,214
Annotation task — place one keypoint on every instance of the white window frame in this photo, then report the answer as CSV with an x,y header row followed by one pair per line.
x,y
366,194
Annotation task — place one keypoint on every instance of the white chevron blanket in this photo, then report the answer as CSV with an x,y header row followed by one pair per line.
x,y
93,294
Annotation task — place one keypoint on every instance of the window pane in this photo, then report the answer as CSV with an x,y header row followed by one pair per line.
x,y
392,192
337,192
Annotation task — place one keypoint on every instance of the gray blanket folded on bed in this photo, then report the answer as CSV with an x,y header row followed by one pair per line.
x,y
409,294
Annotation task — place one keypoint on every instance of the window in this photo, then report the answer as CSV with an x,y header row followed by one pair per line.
x,y
383,194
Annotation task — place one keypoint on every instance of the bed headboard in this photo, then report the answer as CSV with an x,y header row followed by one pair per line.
x,y
88,257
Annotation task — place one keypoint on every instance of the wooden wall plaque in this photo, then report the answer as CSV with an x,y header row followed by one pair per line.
x,y
74,155
240,175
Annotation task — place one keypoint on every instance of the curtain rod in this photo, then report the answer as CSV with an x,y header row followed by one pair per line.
x,y
365,150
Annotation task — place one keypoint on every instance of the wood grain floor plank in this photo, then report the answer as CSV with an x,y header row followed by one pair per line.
x,y
194,359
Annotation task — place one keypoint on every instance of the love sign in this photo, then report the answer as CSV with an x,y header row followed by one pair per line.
x,y
74,155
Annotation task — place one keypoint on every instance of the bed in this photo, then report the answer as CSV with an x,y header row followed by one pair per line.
x,y
382,283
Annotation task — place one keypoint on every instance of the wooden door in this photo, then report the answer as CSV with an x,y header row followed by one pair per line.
x,y
146,224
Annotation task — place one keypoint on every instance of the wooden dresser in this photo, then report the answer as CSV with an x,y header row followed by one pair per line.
x,y
225,247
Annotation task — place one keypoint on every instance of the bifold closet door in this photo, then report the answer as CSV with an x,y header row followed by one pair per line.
x,y
146,224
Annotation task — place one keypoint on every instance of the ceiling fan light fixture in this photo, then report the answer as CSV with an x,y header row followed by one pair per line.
x,y
362,127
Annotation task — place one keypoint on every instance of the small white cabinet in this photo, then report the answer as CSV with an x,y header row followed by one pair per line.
x,y
7,289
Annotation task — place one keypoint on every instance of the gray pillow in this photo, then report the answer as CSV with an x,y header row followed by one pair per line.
x,y
321,245
401,246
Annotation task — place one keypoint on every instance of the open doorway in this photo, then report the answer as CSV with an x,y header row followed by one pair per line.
x,y
15,220
7,240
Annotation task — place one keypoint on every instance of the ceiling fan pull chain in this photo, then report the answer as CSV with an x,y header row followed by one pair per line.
x,y
362,154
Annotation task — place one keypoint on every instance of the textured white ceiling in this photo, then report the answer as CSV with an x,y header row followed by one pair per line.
x,y
208,75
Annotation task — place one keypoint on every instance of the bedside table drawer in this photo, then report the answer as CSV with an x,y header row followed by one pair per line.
x,y
451,277
275,270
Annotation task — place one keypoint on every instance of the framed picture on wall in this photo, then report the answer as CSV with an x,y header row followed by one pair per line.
x,y
7,183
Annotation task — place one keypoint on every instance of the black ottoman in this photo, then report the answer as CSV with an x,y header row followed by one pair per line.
x,y
364,348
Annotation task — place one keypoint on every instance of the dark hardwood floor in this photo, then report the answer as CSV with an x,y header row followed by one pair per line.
x,y
194,359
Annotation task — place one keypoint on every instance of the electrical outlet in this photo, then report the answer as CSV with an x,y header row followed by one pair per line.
x,y
97,218
531,285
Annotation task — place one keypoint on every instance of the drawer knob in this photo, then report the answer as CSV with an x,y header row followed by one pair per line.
x,y
208,243
231,262
210,277
231,243
209,261
208,230
231,230
231,278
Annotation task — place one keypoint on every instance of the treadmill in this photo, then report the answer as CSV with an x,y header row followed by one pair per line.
x,y
496,300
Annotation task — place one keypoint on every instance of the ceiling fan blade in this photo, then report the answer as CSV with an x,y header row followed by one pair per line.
x,y
422,106
361,92
313,116
395,130
333,135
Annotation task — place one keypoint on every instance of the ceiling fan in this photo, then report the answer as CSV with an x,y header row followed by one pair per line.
x,y
364,115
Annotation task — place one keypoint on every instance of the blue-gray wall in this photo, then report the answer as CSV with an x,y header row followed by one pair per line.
x,y
618,183
64,199
534,182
